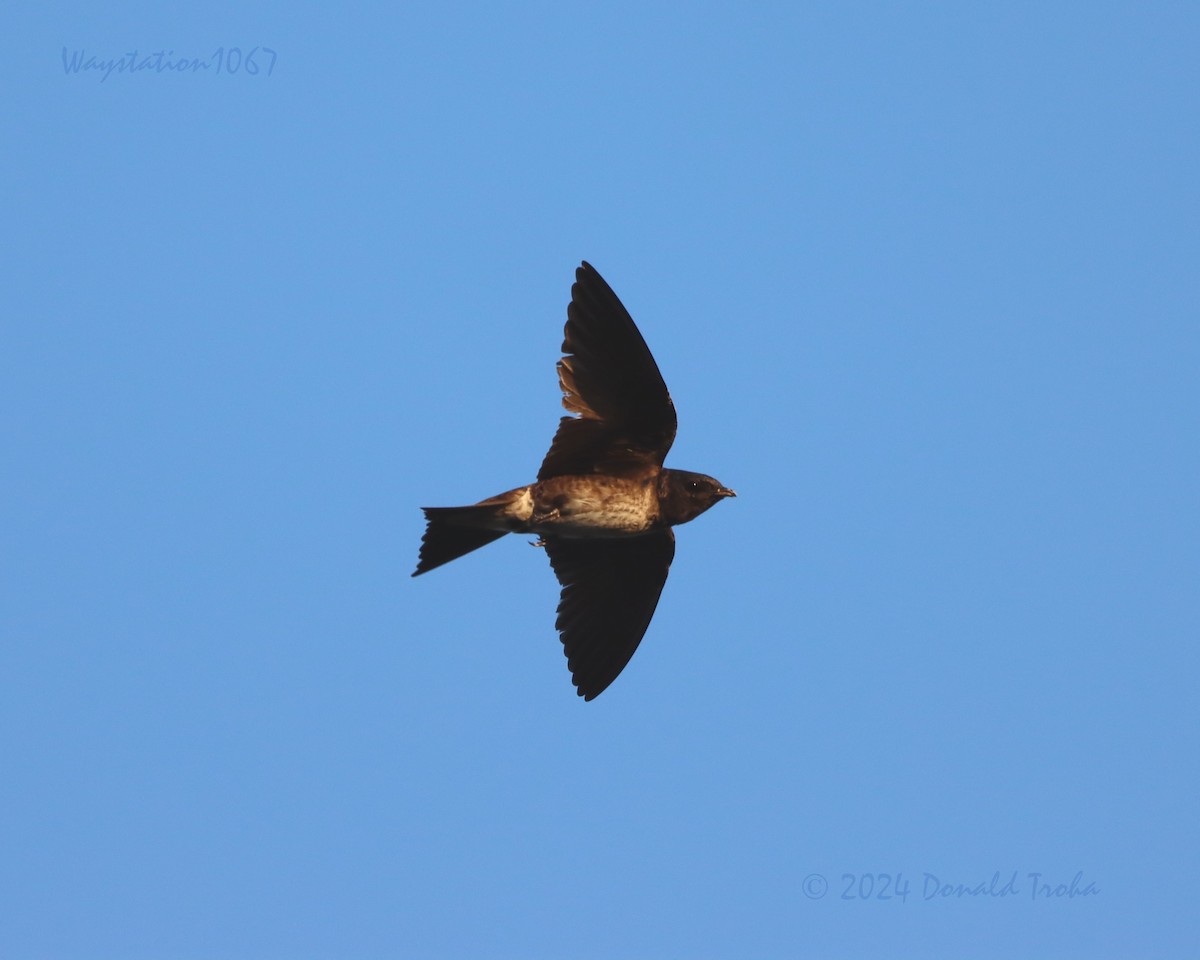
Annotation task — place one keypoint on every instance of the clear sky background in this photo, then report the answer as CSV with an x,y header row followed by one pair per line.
x,y
923,282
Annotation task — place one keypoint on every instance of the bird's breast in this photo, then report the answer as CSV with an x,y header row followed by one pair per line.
x,y
594,506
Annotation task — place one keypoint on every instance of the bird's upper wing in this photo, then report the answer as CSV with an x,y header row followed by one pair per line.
x,y
610,588
608,376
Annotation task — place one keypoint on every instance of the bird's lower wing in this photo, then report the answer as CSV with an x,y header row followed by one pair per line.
x,y
610,589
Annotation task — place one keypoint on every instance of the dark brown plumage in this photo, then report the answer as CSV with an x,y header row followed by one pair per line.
x,y
603,504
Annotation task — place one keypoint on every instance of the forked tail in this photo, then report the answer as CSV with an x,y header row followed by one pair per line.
x,y
454,531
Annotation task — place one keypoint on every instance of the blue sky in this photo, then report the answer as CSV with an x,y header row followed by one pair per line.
x,y
922,280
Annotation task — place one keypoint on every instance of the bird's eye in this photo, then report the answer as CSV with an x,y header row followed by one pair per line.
x,y
694,486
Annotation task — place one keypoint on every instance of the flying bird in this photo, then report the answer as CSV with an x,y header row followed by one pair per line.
x,y
603,505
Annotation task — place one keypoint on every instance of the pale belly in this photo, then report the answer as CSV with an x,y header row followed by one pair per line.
x,y
593,506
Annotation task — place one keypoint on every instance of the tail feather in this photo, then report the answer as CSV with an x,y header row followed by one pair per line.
x,y
454,531
445,541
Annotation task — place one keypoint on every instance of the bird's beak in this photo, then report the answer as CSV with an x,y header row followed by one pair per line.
x,y
725,492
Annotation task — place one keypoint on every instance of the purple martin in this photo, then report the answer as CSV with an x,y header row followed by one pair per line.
x,y
603,505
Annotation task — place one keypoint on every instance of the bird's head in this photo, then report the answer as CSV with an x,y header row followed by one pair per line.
x,y
685,495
